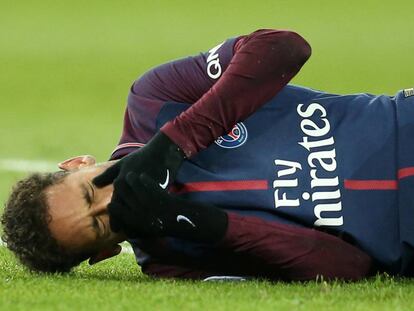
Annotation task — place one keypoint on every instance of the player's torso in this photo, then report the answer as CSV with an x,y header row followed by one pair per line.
x,y
312,159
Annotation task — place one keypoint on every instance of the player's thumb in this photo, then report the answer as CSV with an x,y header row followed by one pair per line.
x,y
107,177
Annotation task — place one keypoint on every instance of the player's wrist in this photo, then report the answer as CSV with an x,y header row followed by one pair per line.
x,y
178,134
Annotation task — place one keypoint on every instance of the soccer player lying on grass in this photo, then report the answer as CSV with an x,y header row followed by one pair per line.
x,y
306,183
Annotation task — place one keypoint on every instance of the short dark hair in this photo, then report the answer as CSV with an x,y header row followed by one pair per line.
x,y
25,223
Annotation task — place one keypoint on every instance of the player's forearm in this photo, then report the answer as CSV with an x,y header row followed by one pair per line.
x,y
263,63
293,253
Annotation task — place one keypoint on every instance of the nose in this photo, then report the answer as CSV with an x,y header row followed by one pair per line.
x,y
101,206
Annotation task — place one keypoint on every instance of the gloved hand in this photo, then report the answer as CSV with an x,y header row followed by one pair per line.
x,y
160,159
149,211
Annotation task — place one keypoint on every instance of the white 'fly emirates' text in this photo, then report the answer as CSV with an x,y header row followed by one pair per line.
x,y
325,192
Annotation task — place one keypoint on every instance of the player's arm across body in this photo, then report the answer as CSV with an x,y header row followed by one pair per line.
x,y
224,86
262,64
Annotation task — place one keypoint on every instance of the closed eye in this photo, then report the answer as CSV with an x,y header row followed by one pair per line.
x,y
89,199
86,195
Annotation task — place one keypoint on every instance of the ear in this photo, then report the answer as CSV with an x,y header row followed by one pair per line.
x,y
105,254
77,162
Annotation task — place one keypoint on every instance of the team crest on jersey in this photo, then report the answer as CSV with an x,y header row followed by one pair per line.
x,y
235,138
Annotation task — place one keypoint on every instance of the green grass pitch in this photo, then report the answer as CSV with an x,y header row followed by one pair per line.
x,y
65,70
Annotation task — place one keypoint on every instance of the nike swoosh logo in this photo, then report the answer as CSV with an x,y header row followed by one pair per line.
x,y
167,180
181,217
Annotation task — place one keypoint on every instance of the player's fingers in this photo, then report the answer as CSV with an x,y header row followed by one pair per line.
x,y
132,180
108,176
140,191
124,194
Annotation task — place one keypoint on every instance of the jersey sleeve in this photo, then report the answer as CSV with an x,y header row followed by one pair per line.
x,y
259,248
184,80
262,64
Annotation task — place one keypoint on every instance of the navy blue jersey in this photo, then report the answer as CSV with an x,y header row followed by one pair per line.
x,y
341,163
311,158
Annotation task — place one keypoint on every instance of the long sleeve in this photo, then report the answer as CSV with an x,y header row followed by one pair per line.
x,y
263,63
259,248
224,85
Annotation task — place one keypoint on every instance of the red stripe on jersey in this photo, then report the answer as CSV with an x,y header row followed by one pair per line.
x,y
379,184
370,184
235,185
405,172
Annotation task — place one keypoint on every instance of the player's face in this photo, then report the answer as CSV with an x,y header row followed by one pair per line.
x,y
78,210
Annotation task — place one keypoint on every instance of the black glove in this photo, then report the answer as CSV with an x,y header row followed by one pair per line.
x,y
149,211
160,159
